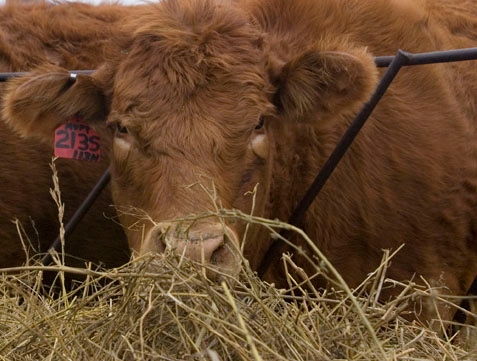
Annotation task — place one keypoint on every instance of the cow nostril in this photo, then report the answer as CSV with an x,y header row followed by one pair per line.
x,y
161,242
155,241
225,256
218,255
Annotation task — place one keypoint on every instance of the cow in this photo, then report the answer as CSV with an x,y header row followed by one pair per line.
x,y
75,36
217,104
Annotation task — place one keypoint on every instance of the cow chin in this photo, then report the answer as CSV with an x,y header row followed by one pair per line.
x,y
214,245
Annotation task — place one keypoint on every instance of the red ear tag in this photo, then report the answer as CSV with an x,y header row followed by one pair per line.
x,y
76,140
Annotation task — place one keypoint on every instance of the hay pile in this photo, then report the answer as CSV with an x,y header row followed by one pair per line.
x,y
165,309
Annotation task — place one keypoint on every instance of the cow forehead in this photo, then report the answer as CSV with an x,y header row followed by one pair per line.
x,y
176,59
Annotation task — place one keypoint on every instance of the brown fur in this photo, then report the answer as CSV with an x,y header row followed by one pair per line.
x,y
75,36
198,75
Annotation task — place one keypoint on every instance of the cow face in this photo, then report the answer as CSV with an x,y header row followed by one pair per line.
x,y
197,107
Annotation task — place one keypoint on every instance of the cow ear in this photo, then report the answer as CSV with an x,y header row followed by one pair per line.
x,y
36,104
324,83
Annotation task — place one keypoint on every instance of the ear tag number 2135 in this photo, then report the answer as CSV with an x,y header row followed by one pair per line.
x,y
76,140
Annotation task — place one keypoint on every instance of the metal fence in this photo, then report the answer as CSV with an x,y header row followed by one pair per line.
x,y
393,64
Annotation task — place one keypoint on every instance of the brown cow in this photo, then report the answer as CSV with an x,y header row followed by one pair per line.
x,y
228,95
76,37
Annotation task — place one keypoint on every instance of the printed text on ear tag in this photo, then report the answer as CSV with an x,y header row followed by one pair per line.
x,y
76,140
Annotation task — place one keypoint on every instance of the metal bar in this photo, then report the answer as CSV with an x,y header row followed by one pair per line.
x,y
9,75
399,60
78,215
445,56
394,64
402,58
276,249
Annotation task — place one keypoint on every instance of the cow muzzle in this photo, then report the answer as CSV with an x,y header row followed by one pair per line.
x,y
214,245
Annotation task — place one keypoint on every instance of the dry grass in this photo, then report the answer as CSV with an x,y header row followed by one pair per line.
x,y
164,308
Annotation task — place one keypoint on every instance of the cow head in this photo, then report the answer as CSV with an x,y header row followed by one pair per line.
x,y
198,106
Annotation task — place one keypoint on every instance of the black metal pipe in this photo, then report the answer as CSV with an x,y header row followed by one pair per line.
x,y
394,64
78,215
9,75
444,56
296,218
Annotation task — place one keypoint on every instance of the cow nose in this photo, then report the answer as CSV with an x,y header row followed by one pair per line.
x,y
213,244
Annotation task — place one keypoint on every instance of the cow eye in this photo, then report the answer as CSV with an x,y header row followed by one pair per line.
x,y
120,129
260,123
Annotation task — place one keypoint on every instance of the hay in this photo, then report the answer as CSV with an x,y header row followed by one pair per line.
x,y
164,308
